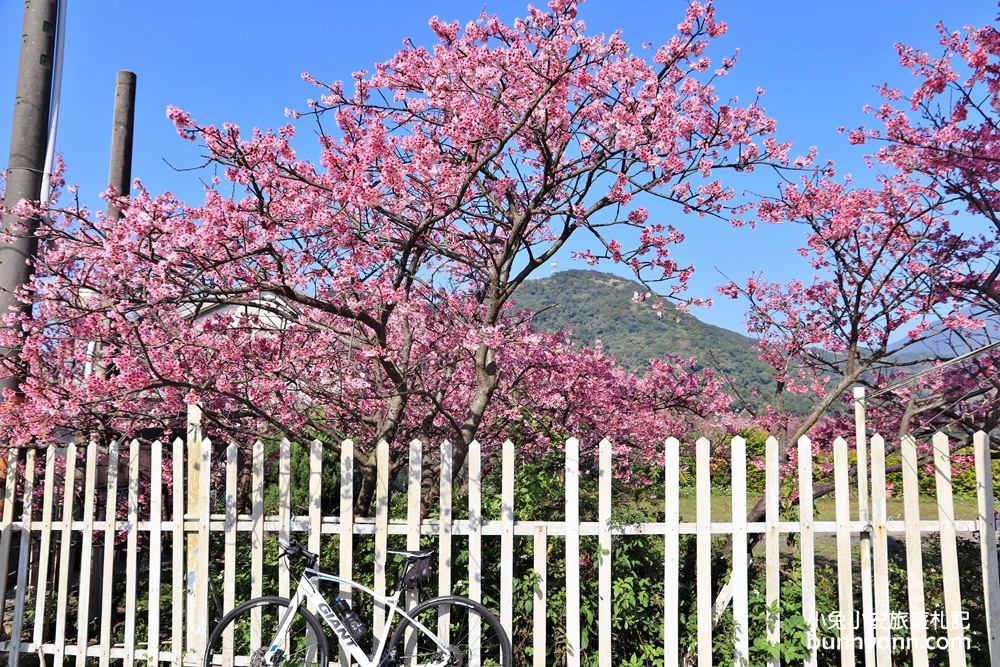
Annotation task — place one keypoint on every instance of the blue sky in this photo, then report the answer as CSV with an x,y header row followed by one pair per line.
x,y
241,62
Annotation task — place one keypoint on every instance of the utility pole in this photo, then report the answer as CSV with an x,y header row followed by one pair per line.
x,y
27,156
120,178
120,171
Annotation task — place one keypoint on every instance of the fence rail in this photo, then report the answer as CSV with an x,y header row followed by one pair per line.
x,y
132,561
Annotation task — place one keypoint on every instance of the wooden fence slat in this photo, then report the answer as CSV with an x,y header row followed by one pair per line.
x,y
988,542
6,527
192,513
475,541
315,530
507,536
413,518
573,552
7,518
284,509
257,521
414,475
880,557
177,552
198,623
131,550
865,539
703,491
108,550
444,525
346,523
155,538
605,473
230,536
257,536
540,600
949,550
914,549
741,560
444,531
381,527
772,544
27,525
475,464
346,513
86,554
808,544
44,550
671,556
62,592
845,561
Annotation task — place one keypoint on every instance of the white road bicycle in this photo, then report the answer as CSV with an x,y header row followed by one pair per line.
x,y
447,631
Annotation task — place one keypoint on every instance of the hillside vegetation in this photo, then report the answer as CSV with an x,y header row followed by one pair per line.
x,y
598,306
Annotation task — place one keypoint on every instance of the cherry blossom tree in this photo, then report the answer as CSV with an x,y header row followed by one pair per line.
x,y
367,293
902,269
926,242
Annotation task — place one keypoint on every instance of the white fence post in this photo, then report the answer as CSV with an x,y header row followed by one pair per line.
x,y
671,556
177,565
808,545
108,551
346,522
741,560
507,517
131,549
703,528
880,556
65,539
46,538
605,472
444,524
572,552
381,526
864,515
315,496
845,564
86,555
27,525
155,560
949,550
988,542
475,464
772,544
914,550
197,543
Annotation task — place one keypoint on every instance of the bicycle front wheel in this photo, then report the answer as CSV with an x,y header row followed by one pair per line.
x,y
242,637
471,634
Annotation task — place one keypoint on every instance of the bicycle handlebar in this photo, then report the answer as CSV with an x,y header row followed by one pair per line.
x,y
295,550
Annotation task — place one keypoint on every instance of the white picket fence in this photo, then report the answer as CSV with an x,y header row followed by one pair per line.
x,y
53,550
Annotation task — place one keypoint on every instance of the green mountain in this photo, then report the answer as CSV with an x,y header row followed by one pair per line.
x,y
595,305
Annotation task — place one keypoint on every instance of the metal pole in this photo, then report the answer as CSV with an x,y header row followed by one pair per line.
x,y
27,158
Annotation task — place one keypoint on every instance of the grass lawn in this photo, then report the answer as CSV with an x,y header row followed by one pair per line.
x,y
965,507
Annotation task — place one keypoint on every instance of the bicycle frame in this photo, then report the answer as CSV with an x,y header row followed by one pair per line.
x,y
308,590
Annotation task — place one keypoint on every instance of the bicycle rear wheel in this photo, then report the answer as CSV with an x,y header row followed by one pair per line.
x,y
242,637
471,632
